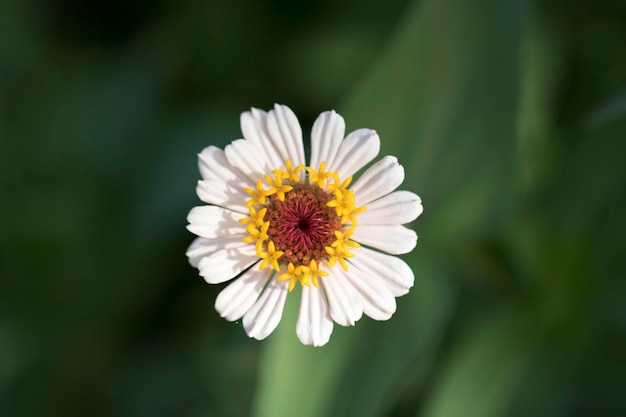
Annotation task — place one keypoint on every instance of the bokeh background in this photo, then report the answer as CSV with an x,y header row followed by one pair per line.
x,y
509,116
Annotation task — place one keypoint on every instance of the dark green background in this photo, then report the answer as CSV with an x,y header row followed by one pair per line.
x,y
509,117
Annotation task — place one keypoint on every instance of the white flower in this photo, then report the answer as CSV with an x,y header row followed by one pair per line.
x,y
273,221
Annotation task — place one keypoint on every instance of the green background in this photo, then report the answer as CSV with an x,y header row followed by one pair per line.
x,y
509,117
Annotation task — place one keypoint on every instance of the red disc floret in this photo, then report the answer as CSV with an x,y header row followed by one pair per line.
x,y
302,225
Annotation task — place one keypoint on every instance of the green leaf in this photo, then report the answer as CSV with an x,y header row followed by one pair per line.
x,y
542,81
486,368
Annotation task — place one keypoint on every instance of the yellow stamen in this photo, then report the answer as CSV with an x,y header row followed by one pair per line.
x,y
257,234
255,218
259,195
290,173
313,272
338,184
340,248
270,258
319,177
344,203
293,274
277,184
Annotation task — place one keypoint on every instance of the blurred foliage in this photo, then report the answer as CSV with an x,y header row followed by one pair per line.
x,y
509,117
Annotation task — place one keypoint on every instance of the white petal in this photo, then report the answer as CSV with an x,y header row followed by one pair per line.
x,y
392,271
219,193
380,179
254,129
326,136
314,324
213,165
394,239
198,250
378,302
213,221
235,300
344,301
248,158
265,314
226,264
286,134
355,151
399,207
202,247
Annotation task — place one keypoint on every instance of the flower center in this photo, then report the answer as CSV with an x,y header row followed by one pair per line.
x,y
297,225
303,224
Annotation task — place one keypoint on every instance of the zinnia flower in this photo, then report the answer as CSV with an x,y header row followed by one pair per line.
x,y
274,221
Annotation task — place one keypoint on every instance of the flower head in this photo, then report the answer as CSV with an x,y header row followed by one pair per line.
x,y
273,221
